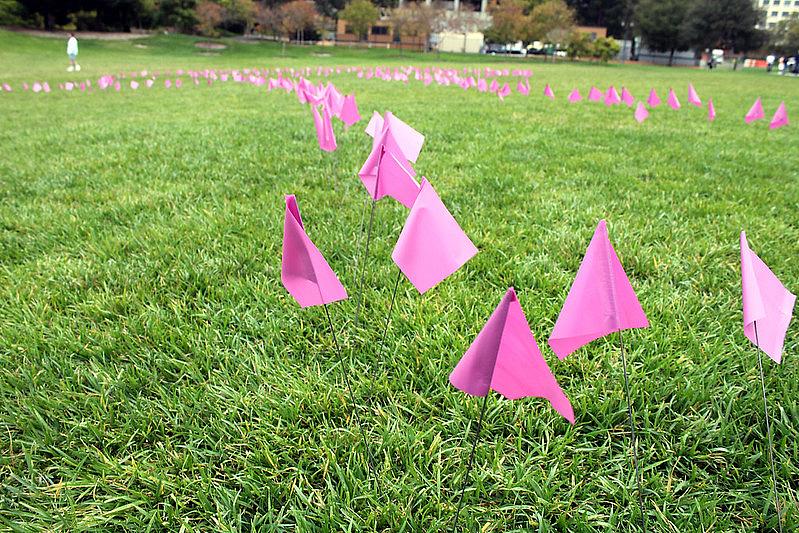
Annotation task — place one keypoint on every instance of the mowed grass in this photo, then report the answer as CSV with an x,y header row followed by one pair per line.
x,y
155,375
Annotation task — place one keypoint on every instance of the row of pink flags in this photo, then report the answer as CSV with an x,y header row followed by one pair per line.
x,y
504,356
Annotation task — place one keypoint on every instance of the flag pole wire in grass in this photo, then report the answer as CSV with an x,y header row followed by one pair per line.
x,y
365,256
353,410
768,430
636,461
388,315
470,463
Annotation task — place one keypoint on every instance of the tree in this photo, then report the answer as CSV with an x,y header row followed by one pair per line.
x,y
360,14
296,17
509,22
784,38
605,49
732,28
610,14
178,13
579,45
209,16
551,21
10,12
663,25
239,15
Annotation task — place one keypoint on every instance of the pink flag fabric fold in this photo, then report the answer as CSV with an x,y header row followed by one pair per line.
x,y
693,97
612,96
304,271
386,173
432,245
672,100
711,110
601,300
767,304
575,96
594,95
408,139
505,357
349,111
641,113
780,117
548,92
653,100
627,97
324,129
755,112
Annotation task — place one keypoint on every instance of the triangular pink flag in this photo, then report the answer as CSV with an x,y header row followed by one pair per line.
x,y
575,96
673,102
324,129
768,305
780,117
349,111
522,88
548,92
755,112
304,271
627,97
432,245
693,98
612,96
595,95
601,300
134,84
386,173
711,110
505,357
641,113
408,139
654,99
334,100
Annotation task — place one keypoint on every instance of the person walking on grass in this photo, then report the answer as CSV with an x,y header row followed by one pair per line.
x,y
72,52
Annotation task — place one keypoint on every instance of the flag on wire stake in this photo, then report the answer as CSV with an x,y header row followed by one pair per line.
x,y
505,357
767,311
601,301
309,279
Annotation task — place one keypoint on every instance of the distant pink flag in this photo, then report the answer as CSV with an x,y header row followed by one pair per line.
x,y
149,83
505,357
523,88
601,300
548,92
304,271
693,98
755,112
767,304
36,87
168,83
334,100
349,111
627,97
134,84
612,96
672,100
780,117
654,99
641,113
324,130
504,92
595,95
575,96
432,245
711,110
494,87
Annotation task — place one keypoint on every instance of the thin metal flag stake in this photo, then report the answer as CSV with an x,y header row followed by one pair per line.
x,y
471,460
352,396
768,430
362,265
632,431
388,315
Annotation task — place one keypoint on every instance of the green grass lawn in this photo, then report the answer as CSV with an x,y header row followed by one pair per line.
x,y
155,375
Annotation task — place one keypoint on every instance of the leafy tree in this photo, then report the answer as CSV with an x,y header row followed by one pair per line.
x,y
178,13
605,49
298,16
733,27
610,14
209,16
579,45
551,21
509,22
360,14
663,24
784,38
238,15
10,12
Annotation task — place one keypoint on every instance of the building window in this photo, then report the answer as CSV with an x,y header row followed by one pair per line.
x,y
784,13
348,29
765,2
796,3
776,2
774,13
379,30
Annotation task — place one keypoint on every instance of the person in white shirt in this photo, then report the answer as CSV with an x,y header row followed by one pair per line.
x,y
770,62
72,52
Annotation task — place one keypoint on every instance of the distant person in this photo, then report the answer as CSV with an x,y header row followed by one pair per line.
x,y
72,52
770,62
710,62
781,66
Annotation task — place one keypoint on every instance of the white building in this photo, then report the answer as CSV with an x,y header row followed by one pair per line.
x,y
777,10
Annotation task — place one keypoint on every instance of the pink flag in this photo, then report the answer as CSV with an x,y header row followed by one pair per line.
x,y
755,112
548,92
494,87
641,113
324,130
349,111
653,100
575,96
408,139
432,245
504,92
601,300
693,98
627,97
167,83
149,83
673,102
612,96
134,84
37,87
768,305
711,110
780,117
387,173
595,95
334,100
304,271
523,88
505,357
